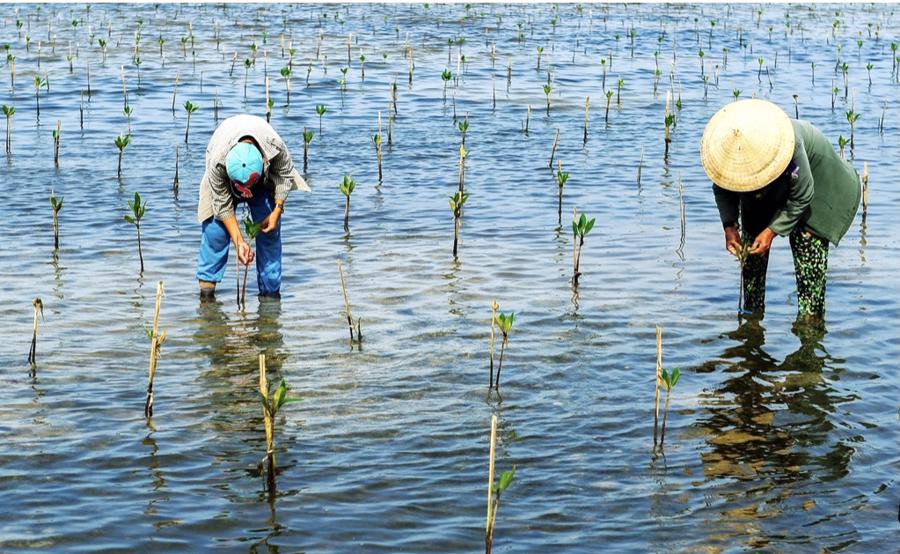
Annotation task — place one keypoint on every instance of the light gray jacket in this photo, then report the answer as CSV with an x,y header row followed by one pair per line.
x,y
279,173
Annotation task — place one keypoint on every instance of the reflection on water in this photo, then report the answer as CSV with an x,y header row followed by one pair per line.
x,y
770,433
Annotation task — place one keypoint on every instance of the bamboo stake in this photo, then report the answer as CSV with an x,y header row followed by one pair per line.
x,y
346,301
175,91
640,166
155,343
32,353
488,531
56,140
527,119
865,189
658,380
268,108
269,425
175,182
494,307
587,107
553,150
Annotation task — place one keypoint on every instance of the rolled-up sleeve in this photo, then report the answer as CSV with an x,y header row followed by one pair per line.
x,y
800,195
281,172
728,203
222,203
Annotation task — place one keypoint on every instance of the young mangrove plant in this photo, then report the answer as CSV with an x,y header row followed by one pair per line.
x,y
286,74
609,95
307,138
669,120
376,140
657,383
252,229
38,83
32,353
156,341
842,143
8,111
175,182
272,401
581,227
320,110
121,143
358,326
128,111
347,187
56,137
561,178
619,84
56,204
547,90
494,489
669,380
851,119
463,128
189,108
504,324
494,307
137,213
587,109
456,204
445,77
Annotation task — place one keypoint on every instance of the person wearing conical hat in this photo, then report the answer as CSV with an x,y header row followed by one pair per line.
x,y
774,176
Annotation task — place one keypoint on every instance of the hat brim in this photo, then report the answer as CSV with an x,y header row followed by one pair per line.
x,y
746,145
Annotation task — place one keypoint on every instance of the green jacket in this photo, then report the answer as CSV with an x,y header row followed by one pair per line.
x,y
818,190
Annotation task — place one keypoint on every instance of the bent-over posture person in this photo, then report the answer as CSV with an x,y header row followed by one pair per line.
x,y
778,176
246,161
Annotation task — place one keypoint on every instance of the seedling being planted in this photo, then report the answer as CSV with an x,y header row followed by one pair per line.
x,y
137,213
494,489
504,324
121,143
8,111
32,353
56,204
581,227
320,110
307,138
347,186
189,108
272,401
669,380
456,203
252,229
156,341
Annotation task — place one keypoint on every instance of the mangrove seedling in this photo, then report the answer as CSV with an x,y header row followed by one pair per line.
x,y
561,178
8,111
32,353
307,138
156,341
137,213
540,51
796,97
446,76
286,74
760,61
358,338
347,186
320,110
869,67
842,142
38,83
272,401
56,204
581,227
657,382
128,111
609,95
547,90
504,324
494,308
669,121
56,137
736,93
247,65
494,489
121,143
376,139
252,229
463,128
189,108
851,118
362,67
619,84
175,182
456,203
669,380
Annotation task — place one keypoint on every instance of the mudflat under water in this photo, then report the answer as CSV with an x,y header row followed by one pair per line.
x,y
780,437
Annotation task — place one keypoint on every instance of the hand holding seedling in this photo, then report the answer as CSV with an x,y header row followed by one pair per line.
x,y
733,240
763,242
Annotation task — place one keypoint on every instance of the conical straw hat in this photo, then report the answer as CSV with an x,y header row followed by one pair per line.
x,y
747,145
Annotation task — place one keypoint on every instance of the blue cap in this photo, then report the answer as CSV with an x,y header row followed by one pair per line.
x,y
244,164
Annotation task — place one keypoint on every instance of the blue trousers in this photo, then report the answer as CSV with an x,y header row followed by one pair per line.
x,y
213,256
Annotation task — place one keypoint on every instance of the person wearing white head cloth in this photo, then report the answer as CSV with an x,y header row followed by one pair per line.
x,y
778,177
246,162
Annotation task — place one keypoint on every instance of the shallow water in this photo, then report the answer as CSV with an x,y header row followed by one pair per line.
x,y
780,437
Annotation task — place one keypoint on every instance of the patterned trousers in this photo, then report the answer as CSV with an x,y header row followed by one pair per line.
x,y
810,269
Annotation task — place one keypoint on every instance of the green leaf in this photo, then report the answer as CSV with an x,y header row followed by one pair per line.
x,y
676,374
129,219
590,225
506,478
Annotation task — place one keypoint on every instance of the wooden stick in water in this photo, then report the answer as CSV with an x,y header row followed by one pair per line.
x,y
155,343
865,188
268,109
494,308
32,353
267,418
658,380
640,166
553,150
488,531
346,301
587,107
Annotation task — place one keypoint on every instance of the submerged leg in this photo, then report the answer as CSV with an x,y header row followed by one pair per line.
x,y
811,270
754,276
